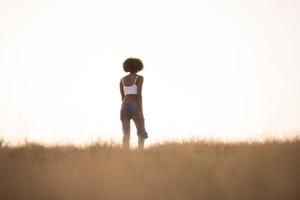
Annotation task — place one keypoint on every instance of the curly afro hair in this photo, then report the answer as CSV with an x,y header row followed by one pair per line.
x,y
133,65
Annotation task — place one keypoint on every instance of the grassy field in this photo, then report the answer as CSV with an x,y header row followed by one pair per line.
x,y
169,171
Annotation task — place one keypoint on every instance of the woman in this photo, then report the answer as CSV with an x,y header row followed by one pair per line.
x,y
132,107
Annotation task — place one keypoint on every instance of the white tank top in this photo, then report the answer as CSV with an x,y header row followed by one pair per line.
x,y
131,89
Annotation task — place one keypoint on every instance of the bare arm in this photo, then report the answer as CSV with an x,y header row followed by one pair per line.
x,y
139,95
121,90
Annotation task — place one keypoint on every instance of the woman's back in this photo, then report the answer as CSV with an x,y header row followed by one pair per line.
x,y
131,85
130,79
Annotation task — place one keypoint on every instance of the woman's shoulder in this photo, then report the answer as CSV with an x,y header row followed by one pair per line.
x,y
139,76
124,77
130,78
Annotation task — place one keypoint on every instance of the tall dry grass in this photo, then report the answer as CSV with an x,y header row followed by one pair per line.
x,y
187,170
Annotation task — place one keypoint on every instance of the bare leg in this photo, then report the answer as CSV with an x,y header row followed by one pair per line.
x,y
141,132
126,133
141,141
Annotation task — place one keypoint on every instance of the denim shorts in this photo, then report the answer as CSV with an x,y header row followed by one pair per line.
x,y
129,110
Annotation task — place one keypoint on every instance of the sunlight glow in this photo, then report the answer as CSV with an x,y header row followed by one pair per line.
x,y
213,69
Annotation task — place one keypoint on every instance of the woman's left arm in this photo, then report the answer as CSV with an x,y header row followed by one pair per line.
x,y
121,90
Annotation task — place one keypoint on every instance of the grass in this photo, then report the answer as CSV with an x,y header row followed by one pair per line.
x,y
172,170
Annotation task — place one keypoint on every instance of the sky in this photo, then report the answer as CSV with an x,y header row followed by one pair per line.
x,y
215,69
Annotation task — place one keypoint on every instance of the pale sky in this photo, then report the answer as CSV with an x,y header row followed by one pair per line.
x,y
213,69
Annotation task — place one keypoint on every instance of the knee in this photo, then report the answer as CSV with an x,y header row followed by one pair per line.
x,y
143,134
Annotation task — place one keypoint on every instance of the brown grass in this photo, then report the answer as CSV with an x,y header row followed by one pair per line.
x,y
169,171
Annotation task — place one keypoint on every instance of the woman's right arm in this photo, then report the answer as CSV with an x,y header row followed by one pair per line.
x,y
139,96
